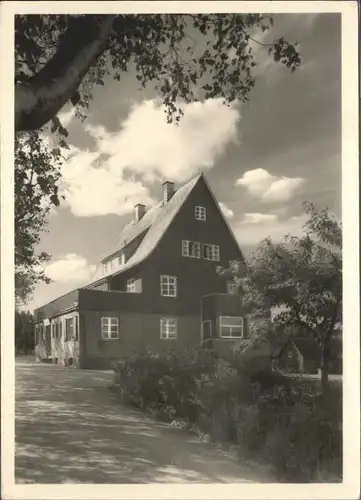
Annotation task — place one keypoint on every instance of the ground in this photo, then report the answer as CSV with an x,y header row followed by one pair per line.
x,y
70,428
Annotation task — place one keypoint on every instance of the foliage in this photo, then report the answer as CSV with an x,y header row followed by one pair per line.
x,y
24,332
264,414
185,57
60,58
37,173
300,279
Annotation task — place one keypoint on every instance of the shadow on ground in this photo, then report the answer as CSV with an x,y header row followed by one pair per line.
x,y
70,428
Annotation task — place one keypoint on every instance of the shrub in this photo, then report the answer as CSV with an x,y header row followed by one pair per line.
x,y
282,420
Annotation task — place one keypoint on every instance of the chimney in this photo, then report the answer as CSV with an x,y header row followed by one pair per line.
x,y
168,191
139,211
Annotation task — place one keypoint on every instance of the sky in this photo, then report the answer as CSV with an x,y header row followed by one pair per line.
x,y
262,159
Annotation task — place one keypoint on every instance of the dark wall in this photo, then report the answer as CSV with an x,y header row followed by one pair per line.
x,y
137,333
196,277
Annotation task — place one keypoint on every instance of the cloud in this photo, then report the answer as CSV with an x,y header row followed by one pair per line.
x,y
228,212
267,187
257,226
70,268
146,149
66,117
256,218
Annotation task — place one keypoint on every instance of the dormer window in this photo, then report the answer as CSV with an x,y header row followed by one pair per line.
x,y
121,259
200,212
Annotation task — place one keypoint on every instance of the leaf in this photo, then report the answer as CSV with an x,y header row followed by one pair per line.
x,y
75,98
55,200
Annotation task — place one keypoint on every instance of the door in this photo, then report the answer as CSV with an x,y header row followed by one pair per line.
x,y
207,336
48,341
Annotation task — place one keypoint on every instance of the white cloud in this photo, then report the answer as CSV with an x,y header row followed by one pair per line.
x,y
66,117
151,149
256,218
70,268
267,187
256,227
228,212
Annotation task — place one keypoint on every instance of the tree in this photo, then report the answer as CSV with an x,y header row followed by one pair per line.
x,y
24,332
59,58
300,280
37,172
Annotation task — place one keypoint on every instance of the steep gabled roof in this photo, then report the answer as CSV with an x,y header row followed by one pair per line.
x,y
155,223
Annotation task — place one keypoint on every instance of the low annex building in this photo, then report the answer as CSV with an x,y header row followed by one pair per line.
x,y
158,290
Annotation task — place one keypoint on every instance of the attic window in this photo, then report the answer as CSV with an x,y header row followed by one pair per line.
x,y
121,259
191,249
200,212
211,252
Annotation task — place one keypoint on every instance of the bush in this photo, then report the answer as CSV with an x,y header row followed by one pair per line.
x,y
281,420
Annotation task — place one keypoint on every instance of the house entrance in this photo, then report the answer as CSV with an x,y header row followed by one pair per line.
x,y
48,341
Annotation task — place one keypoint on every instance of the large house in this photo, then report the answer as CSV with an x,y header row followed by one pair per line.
x,y
158,290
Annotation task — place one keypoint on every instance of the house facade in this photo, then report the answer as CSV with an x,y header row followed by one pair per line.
x,y
158,290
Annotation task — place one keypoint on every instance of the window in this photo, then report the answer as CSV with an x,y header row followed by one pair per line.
x,y
231,326
232,288
110,328
211,252
168,286
191,249
53,330
200,212
131,286
290,354
121,259
71,330
168,328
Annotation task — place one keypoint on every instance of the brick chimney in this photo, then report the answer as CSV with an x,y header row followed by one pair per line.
x,y
168,191
139,212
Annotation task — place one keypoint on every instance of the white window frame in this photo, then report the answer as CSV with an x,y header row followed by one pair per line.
x,y
215,252
70,335
168,328
200,213
121,259
195,246
106,323
168,285
223,319
232,288
131,286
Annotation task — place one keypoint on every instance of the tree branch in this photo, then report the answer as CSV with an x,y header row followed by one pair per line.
x,y
41,97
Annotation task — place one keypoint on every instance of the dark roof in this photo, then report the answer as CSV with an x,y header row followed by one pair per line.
x,y
155,223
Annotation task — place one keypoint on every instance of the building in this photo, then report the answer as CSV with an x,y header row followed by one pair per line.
x,y
158,290
303,355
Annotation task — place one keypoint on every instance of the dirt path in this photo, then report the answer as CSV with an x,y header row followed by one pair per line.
x,y
71,429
